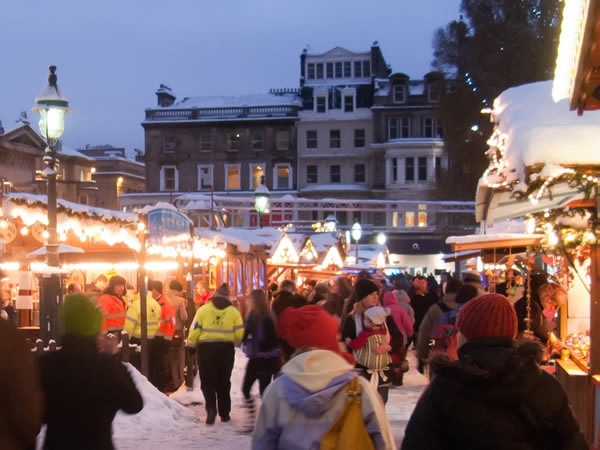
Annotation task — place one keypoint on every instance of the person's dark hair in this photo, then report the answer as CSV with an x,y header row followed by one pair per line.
x,y
453,286
71,288
260,306
466,293
175,285
155,284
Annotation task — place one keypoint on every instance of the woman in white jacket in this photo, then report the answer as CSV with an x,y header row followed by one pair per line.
x,y
302,404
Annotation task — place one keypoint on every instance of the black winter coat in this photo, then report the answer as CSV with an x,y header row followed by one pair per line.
x,y
83,391
494,397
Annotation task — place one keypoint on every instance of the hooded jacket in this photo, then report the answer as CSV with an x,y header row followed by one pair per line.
x,y
300,406
217,321
113,308
400,315
179,304
494,397
84,390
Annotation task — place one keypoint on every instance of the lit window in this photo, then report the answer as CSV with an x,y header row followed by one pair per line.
x,y
422,219
232,177
257,171
283,176
409,219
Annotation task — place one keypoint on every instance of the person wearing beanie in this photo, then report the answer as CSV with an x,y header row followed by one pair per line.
x,y
473,278
83,388
308,397
217,328
447,303
495,395
113,306
367,294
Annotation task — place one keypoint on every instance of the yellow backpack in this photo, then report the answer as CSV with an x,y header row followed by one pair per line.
x,y
349,431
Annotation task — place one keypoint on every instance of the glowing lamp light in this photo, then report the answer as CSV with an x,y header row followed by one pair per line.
x,y
52,106
381,238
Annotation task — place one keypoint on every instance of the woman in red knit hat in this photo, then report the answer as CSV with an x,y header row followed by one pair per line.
x,y
495,396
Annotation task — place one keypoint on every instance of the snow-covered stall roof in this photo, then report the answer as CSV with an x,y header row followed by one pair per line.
x,y
531,130
493,240
243,238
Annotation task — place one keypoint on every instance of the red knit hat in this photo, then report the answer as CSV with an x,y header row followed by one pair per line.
x,y
489,315
308,326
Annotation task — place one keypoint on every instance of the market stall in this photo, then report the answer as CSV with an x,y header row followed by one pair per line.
x,y
544,169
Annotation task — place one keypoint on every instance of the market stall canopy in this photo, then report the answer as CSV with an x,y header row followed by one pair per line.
x,y
496,240
533,151
62,248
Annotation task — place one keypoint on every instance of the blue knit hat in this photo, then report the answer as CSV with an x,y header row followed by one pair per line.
x,y
79,316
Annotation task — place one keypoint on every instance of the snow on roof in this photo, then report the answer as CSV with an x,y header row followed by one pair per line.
x,y
243,238
335,187
72,152
536,130
416,87
322,241
237,101
13,200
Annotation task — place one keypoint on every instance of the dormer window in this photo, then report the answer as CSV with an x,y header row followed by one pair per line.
x,y
399,93
433,92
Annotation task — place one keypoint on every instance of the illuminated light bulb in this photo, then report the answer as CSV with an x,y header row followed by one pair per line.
x,y
45,234
3,224
24,231
553,239
141,226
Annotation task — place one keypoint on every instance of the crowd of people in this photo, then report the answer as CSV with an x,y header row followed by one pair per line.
x,y
311,348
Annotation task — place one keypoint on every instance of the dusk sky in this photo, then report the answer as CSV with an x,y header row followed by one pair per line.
x,y
113,55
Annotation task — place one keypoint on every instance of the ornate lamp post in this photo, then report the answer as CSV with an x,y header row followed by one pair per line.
x,y
356,235
261,200
52,106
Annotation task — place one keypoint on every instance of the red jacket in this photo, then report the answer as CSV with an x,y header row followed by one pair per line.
x,y
167,318
113,310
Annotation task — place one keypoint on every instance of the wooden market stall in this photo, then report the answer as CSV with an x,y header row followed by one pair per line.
x,y
544,169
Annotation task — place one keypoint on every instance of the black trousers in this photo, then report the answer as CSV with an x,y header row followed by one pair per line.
x,y
215,364
261,369
159,375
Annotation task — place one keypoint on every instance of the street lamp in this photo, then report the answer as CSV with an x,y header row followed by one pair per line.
x,y
356,235
261,200
381,238
52,106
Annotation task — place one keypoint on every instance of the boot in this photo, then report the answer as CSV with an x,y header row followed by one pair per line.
x,y
211,415
250,418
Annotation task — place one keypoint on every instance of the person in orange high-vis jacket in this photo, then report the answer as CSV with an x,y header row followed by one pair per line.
x,y
113,306
159,375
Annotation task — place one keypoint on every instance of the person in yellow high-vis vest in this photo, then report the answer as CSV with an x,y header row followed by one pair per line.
x,y
216,330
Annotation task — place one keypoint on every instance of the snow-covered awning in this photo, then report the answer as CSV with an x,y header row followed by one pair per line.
x,y
496,240
537,152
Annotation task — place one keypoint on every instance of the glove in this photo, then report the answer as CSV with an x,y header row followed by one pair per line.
x,y
421,367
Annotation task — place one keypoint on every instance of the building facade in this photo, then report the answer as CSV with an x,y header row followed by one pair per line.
x,y
115,174
224,145
335,130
